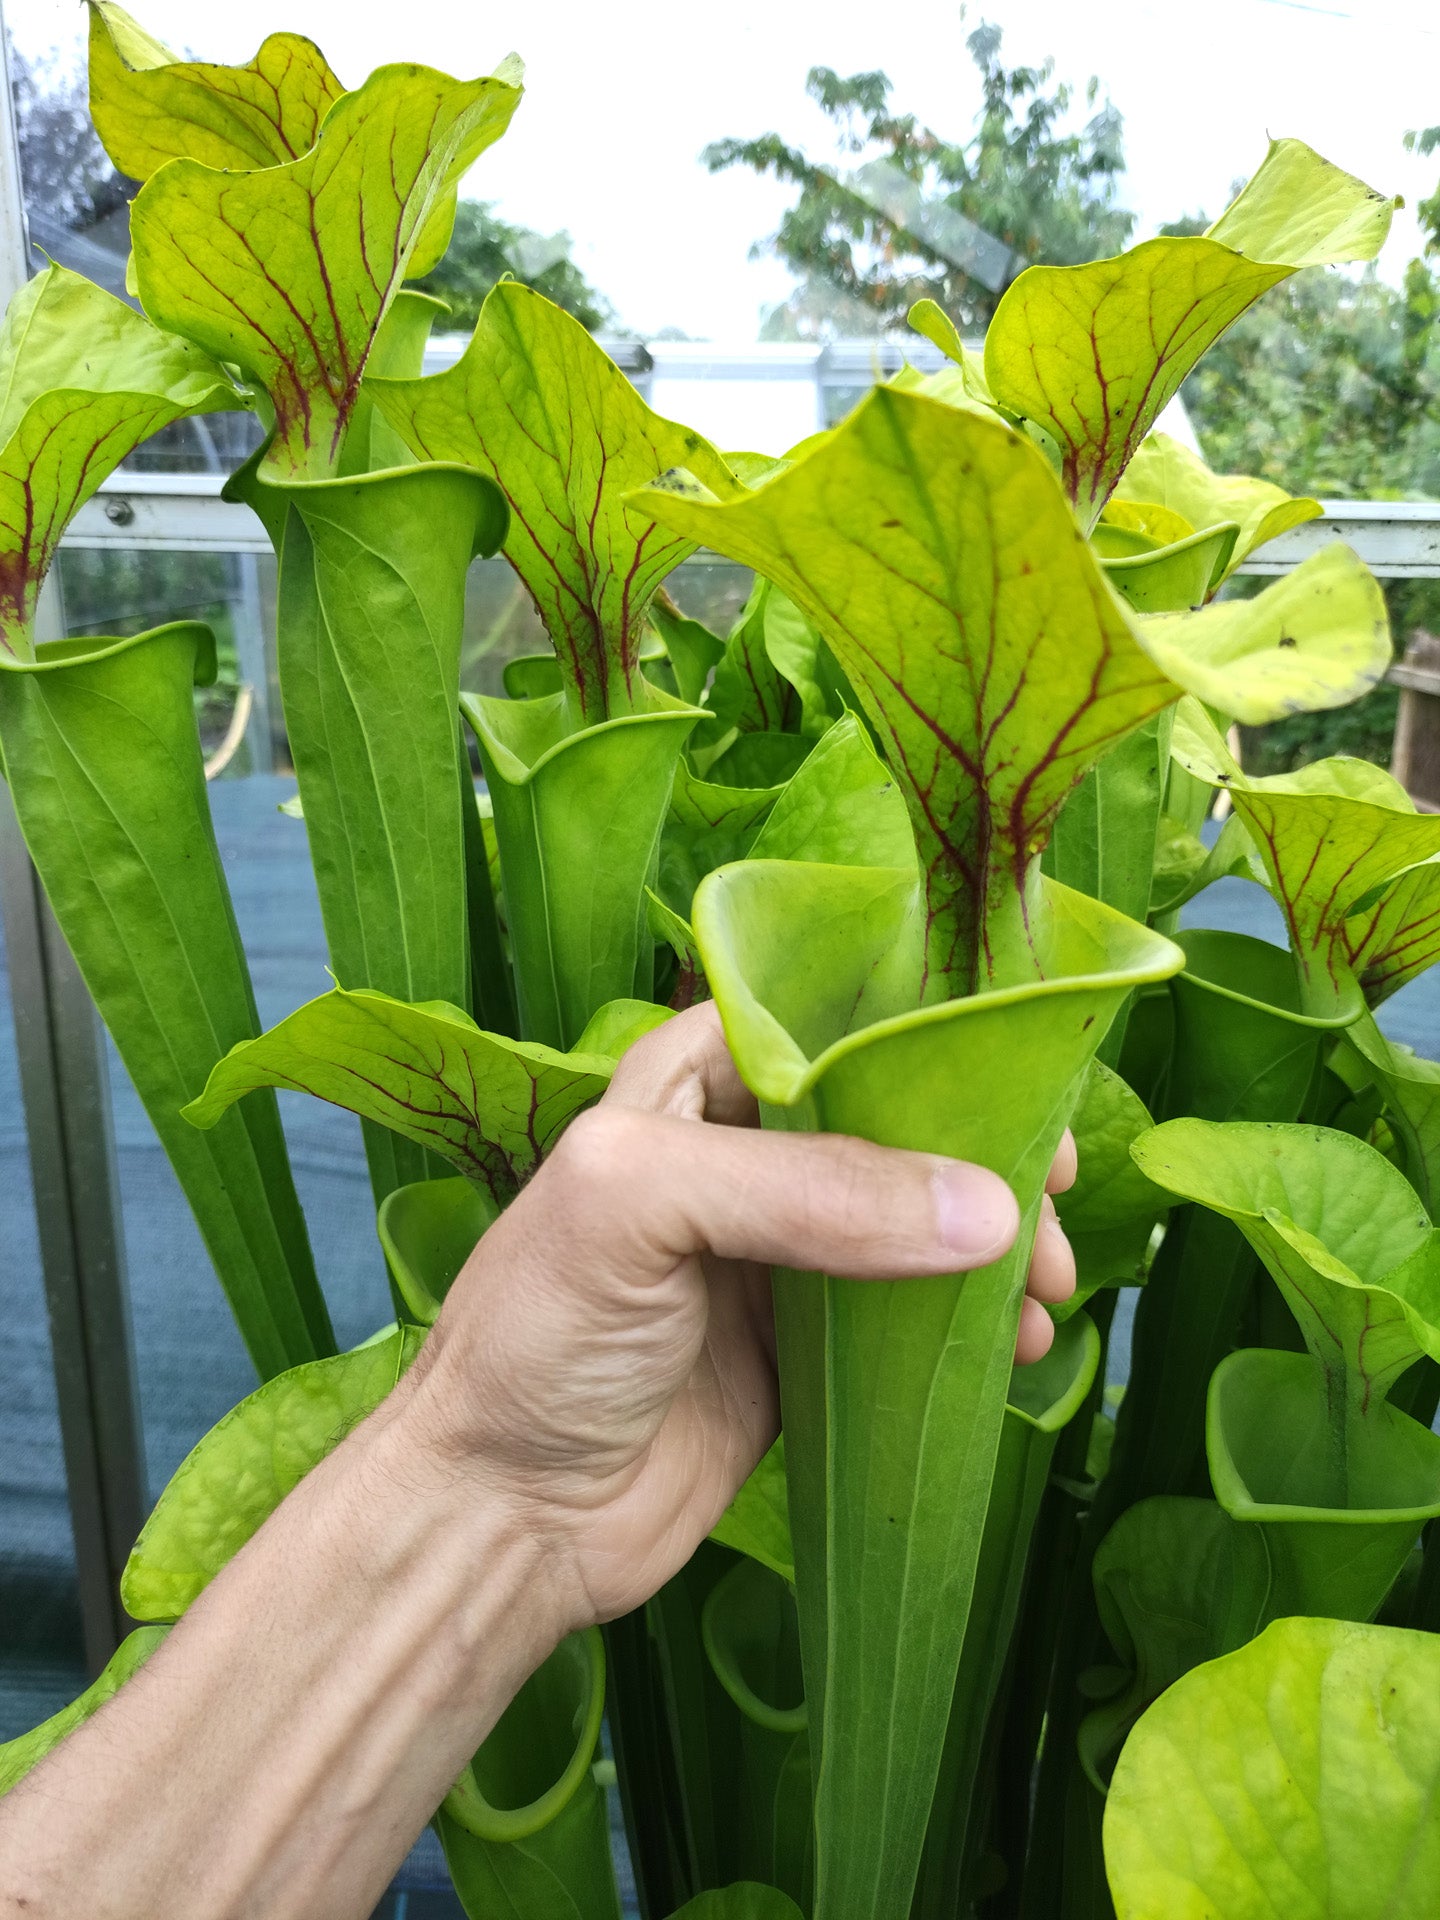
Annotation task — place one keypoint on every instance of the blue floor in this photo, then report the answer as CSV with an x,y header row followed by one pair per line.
x,y
191,1365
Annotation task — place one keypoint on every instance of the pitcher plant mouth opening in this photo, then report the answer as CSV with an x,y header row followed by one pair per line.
x,y
921,823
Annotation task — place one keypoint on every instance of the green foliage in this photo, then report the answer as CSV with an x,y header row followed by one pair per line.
x,y
921,822
1300,1771
919,216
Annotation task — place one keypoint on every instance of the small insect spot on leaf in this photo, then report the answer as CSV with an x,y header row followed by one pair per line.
x,y
890,523
1286,640
1089,1022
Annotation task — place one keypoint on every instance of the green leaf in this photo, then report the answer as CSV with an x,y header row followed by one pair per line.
x,y
757,1521
796,652
150,107
744,1901
692,649
578,817
906,1405
1411,1090
1043,1400
247,266
1243,1047
935,543
1092,354
1127,528
489,1105
1177,1582
1167,472
371,444
1297,1776
1329,836
233,1479
104,765
1300,209
1180,862
18,1756
936,553
749,692
752,1641
83,380
429,1230
771,677
1339,1501
538,405
842,808
509,1792
1169,579
1111,1211
524,1829
370,612
1397,938
1339,1228
670,929
1110,1189
1317,638
1240,1049
930,320
708,824
1104,842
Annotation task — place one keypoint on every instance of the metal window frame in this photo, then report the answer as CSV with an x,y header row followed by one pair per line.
x,y
185,513
65,1090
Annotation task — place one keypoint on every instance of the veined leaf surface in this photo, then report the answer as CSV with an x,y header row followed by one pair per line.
x,y
248,265
1297,1776
1093,353
149,106
1328,836
535,403
937,555
489,1105
83,380
1397,938
935,551
1340,1229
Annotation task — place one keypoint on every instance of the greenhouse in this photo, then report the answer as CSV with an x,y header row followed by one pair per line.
x,y
720,869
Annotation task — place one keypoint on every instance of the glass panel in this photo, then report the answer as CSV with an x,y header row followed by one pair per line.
x,y
42,1661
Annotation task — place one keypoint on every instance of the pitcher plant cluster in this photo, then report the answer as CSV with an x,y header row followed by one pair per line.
x,y
971,1640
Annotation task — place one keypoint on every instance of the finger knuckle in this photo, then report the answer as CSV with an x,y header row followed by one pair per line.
x,y
597,1146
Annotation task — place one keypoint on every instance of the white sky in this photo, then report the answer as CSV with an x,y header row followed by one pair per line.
x,y
621,100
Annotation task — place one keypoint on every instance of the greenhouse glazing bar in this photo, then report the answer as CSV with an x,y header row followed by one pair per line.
x,y
65,1091
185,513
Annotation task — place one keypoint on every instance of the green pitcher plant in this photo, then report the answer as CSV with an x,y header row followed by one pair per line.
x,y
926,824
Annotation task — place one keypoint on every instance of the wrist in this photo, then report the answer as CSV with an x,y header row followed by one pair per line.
x,y
481,1523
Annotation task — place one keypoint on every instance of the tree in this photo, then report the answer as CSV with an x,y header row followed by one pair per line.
x,y
1330,385
919,215
485,249
1428,211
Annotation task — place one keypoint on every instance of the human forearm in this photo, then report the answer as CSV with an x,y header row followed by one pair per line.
x,y
288,1741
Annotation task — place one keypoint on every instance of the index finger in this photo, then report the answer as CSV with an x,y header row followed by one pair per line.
x,y
1064,1166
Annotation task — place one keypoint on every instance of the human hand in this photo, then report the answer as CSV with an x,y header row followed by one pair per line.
x,y
607,1355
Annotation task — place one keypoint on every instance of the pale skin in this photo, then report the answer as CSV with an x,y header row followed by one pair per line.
x,y
598,1386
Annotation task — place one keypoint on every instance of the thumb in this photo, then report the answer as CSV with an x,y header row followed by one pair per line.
x,y
646,1190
